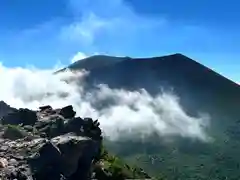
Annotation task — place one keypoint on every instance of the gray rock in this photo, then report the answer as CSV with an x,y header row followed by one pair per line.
x,y
57,146
13,162
75,150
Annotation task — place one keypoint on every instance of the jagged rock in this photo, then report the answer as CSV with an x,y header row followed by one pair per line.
x,y
67,112
52,147
51,128
74,125
45,163
79,153
50,144
84,126
21,116
43,108
13,173
67,155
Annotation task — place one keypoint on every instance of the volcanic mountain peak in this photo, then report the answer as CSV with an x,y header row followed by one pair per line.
x,y
96,61
101,61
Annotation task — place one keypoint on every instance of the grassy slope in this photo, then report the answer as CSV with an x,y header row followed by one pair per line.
x,y
216,160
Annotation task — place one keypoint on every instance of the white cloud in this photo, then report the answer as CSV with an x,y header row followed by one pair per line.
x,y
78,56
110,26
110,19
132,113
83,31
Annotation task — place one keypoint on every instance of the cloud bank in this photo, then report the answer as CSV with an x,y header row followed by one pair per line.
x,y
133,114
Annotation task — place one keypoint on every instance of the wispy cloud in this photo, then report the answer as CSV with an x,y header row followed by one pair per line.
x,y
78,56
110,21
83,31
112,26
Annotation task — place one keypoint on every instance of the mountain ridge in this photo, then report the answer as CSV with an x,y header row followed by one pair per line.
x,y
78,64
170,69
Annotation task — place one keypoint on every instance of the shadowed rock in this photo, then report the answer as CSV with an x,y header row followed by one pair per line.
x,y
49,145
21,116
5,109
67,112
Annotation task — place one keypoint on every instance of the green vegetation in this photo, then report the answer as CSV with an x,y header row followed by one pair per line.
x,y
14,132
183,159
112,167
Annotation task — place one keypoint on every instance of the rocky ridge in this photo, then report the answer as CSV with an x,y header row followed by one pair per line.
x,y
53,144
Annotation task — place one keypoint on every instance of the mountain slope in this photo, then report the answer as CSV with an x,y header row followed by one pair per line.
x,y
200,90
94,62
189,79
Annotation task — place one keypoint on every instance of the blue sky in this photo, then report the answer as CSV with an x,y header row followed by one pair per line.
x,y
43,32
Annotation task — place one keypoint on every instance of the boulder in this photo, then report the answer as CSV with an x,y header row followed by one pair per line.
x,y
47,107
45,162
67,112
74,125
66,155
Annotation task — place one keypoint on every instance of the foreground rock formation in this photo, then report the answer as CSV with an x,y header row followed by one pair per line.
x,y
53,144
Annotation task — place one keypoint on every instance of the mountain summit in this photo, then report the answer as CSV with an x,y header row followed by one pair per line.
x,y
197,85
95,61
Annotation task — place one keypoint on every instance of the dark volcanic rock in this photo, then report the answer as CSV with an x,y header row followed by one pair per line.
x,y
49,145
21,116
46,108
62,153
5,109
67,156
67,112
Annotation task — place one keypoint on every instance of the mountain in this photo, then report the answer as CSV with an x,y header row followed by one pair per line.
x,y
94,62
200,90
199,87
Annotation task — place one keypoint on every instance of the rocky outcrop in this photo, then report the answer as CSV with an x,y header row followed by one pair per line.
x,y
5,109
53,144
48,144
21,116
